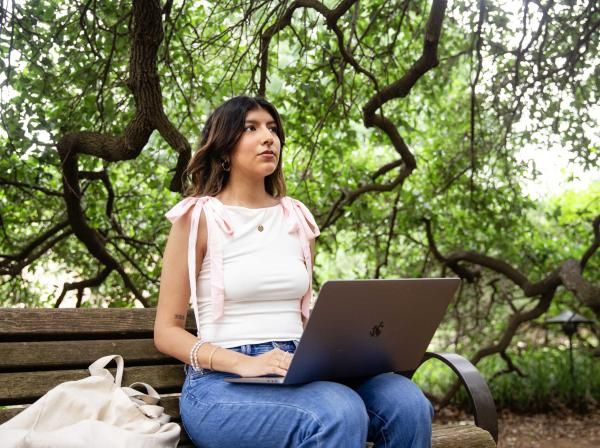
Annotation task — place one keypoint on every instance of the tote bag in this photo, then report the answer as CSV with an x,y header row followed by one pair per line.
x,y
93,412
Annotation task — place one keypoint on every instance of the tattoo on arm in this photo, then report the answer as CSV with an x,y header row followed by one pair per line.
x,y
179,317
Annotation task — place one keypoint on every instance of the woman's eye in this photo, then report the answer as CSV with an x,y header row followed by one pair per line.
x,y
253,128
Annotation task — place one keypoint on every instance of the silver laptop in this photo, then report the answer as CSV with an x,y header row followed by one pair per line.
x,y
362,328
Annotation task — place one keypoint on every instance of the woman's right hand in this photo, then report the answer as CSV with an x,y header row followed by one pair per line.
x,y
275,362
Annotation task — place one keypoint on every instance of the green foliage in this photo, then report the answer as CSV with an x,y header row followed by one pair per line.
x,y
546,382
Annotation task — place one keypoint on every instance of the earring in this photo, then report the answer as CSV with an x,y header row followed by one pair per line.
x,y
225,165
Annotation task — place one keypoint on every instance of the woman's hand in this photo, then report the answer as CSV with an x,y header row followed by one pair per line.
x,y
275,362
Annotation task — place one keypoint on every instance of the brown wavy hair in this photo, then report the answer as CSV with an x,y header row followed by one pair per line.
x,y
204,175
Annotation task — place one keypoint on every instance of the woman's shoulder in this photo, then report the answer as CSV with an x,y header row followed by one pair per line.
x,y
296,209
182,208
292,201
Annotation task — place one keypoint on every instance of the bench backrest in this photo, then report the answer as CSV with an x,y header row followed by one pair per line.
x,y
41,348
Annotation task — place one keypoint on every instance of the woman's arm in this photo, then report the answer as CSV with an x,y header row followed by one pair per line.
x,y
170,335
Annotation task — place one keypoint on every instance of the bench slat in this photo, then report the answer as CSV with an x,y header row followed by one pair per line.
x,y
461,436
72,354
8,413
25,387
60,322
171,404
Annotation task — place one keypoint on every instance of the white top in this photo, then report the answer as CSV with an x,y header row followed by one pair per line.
x,y
265,277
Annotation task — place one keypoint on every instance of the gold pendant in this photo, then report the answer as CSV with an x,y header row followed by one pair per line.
x,y
260,228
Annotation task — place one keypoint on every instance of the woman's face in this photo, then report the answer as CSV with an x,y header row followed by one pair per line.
x,y
257,152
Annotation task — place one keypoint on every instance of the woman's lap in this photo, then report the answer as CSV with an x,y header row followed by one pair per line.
x,y
389,407
217,413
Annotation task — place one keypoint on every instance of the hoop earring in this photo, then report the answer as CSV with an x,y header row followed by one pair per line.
x,y
225,165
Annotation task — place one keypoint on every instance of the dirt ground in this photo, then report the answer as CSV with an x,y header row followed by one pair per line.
x,y
564,429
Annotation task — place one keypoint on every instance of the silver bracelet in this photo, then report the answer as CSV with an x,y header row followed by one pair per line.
x,y
193,352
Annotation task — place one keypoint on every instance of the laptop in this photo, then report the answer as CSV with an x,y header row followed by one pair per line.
x,y
361,328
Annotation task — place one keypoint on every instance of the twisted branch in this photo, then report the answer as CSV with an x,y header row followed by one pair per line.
x,y
149,115
568,274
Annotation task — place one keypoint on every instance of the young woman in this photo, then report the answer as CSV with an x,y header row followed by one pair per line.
x,y
242,252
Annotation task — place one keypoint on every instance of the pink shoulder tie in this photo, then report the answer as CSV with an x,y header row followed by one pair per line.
x,y
302,221
215,213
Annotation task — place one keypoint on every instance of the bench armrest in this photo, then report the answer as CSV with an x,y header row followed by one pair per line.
x,y
484,408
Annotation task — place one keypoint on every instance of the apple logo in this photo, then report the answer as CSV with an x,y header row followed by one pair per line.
x,y
376,330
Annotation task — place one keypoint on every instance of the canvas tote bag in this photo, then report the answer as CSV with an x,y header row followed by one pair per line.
x,y
93,412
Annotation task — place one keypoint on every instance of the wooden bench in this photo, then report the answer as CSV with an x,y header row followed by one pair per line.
x,y
40,348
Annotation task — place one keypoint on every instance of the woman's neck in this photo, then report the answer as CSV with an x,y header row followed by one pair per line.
x,y
246,196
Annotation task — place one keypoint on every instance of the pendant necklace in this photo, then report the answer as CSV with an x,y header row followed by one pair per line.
x,y
260,227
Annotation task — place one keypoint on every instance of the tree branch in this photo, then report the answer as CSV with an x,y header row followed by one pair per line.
x,y
149,114
397,89
23,186
80,286
14,264
331,18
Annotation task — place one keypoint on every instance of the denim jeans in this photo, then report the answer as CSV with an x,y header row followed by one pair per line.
x,y
387,409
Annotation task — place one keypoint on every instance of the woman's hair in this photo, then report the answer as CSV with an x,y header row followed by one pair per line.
x,y
204,174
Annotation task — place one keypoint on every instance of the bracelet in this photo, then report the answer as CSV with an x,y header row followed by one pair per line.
x,y
210,358
193,352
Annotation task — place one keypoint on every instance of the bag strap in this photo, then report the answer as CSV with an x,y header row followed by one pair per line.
x,y
97,368
150,397
147,402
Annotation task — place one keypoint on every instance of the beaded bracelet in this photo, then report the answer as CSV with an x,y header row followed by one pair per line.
x,y
193,352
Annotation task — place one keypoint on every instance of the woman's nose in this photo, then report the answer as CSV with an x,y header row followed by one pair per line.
x,y
267,136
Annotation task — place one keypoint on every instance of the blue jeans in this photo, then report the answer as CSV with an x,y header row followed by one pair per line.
x,y
387,409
